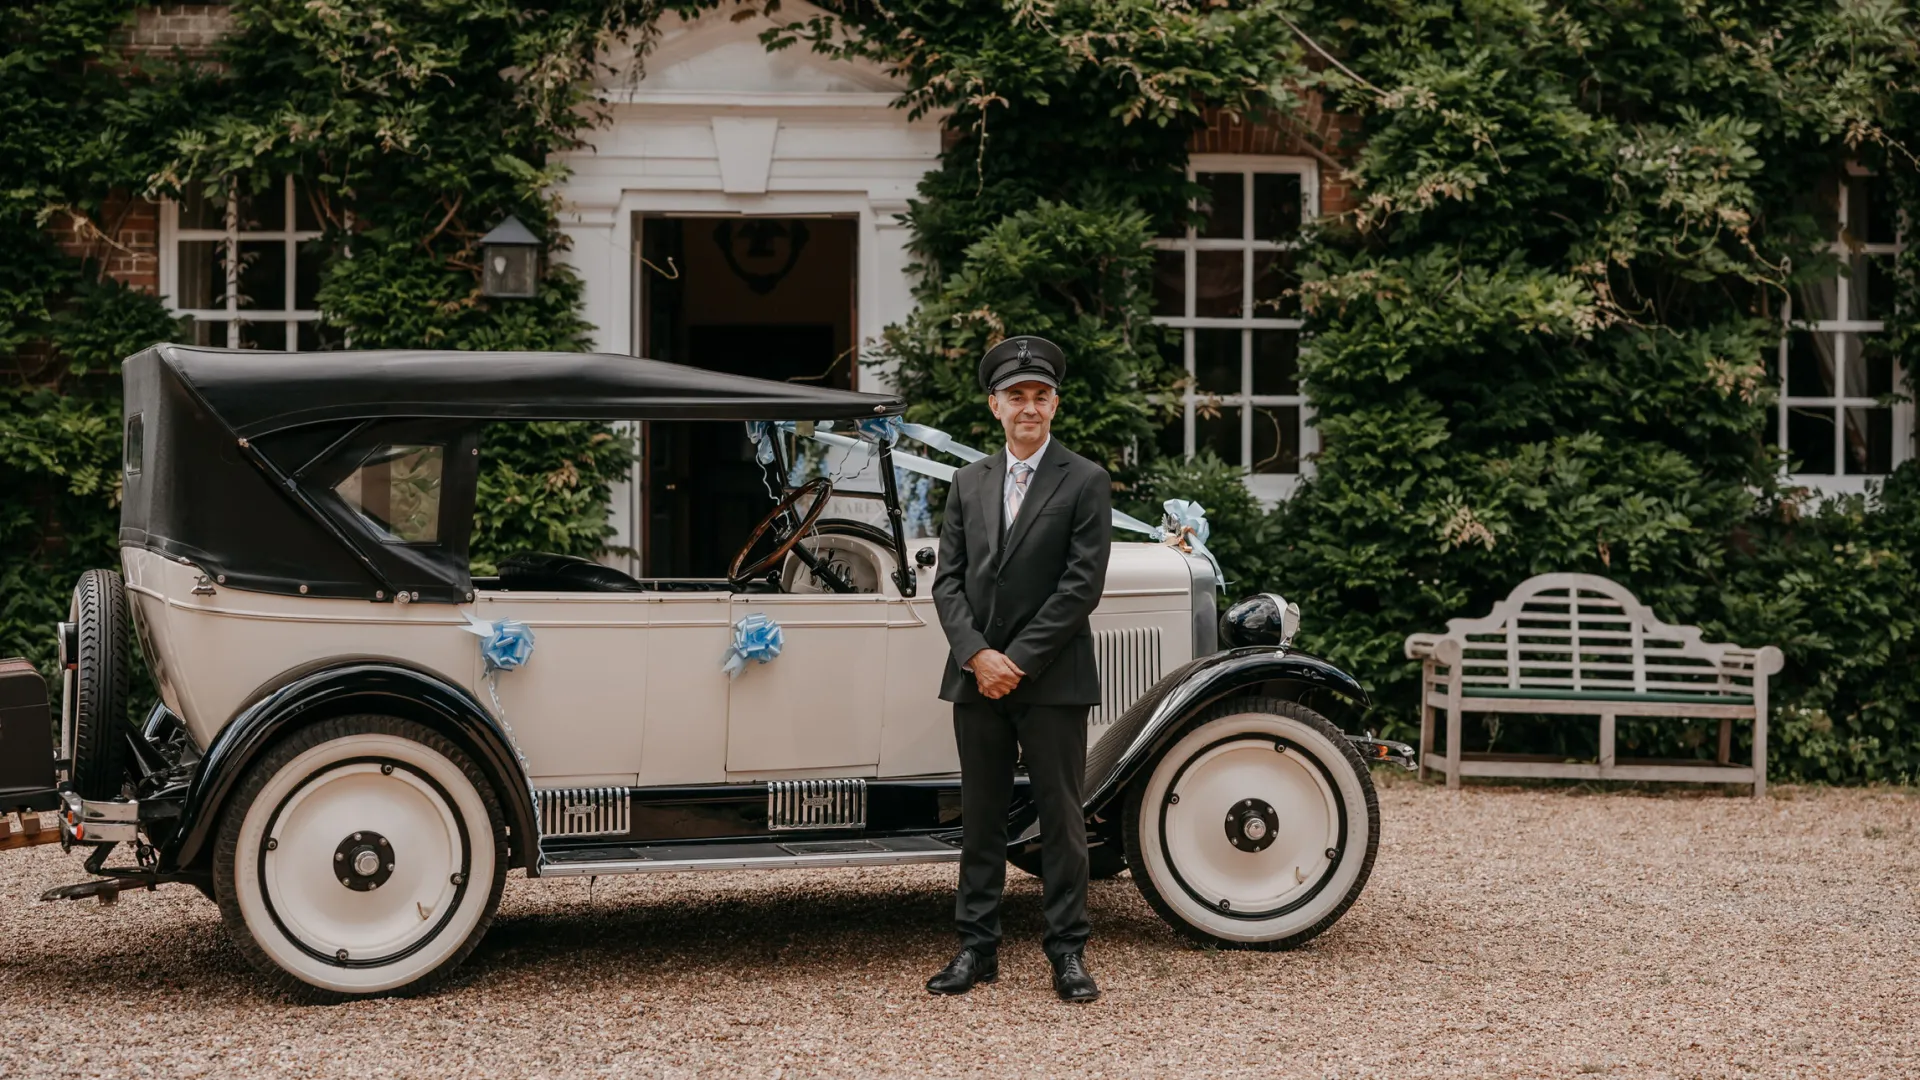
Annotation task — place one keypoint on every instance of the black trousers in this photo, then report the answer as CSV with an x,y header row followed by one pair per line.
x,y
990,735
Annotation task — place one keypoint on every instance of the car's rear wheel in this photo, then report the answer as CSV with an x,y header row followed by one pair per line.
x,y
97,665
363,855
1256,828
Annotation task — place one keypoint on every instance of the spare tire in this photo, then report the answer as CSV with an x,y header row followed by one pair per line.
x,y
93,727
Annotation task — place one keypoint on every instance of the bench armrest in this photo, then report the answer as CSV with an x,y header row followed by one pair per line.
x,y
1761,662
1440,648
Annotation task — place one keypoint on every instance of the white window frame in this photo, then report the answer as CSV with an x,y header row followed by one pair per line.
x,y
231,315
1269,488
1841,482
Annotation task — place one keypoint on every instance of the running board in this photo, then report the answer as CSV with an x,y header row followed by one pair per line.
x,y
755,855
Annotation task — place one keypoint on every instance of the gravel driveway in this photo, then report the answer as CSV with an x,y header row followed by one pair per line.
x,y
1505,933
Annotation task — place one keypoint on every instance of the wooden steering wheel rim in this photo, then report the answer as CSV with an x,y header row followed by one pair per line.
x,y
820,487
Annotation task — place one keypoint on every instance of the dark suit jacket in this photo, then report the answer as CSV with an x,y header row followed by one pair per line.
x,y
1029,591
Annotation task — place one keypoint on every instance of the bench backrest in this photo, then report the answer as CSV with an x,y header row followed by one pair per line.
x,y
1584,633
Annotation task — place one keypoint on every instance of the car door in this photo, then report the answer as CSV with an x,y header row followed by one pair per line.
x,y
816,709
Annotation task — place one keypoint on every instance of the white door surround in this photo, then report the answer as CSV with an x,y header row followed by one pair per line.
x,y
719,126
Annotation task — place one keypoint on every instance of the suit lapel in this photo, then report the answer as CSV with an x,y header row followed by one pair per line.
x,y
991,505
1039,489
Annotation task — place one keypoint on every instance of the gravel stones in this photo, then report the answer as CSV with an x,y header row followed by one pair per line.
x,y
1505,933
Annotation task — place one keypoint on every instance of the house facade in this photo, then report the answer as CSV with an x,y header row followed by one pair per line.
x,y
741,209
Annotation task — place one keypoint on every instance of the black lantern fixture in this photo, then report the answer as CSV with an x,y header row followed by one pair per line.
x,y
510,260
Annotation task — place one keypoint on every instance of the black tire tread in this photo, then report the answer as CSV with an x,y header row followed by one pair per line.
x,y
99,764
1234,707
276,757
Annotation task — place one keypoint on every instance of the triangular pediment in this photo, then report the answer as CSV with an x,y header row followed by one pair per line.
x,y
720,54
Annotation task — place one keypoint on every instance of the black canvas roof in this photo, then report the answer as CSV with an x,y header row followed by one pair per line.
x,y
257,393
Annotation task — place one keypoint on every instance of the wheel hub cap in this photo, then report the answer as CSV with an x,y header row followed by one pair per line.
x,y
363,861
1252,825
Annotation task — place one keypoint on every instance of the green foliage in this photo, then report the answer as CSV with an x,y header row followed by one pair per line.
x,y
1539,345
77,124
1069,125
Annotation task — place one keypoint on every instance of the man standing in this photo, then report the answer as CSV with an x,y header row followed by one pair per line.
x,y
1023,561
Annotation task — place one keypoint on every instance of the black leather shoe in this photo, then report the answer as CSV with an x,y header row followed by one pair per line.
x,y
1071,981
968,966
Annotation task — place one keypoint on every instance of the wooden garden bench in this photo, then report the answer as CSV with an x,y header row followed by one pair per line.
x,y
1581,645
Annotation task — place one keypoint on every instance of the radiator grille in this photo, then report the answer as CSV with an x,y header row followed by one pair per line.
x,y
817,804
1129,661
584,811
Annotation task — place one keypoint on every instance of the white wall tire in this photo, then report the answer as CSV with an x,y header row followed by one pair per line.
x,y
1256,828
363,855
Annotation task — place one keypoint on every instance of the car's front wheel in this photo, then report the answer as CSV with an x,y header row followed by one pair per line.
x,y
362,855
1256,828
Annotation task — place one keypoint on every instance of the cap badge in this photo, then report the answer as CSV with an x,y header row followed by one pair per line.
x,y
1024,356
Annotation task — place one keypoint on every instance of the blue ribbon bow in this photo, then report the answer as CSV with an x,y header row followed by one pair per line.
x,y
755,637
1187,529
884,430
506,645
761,433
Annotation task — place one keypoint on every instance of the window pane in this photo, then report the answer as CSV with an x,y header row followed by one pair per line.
x,y
1276,291
1871,296
304,218
315,337
1216,361
202,274
199,210
271,336
1869,366
398,490
308,261
266,210
1219,432
1817,300
1169,283
1276,206
1869,442
1276,362
263,276
1217,284
1276,439
1809,364
1220,208
208,332
1172,439
1873,217
1810,440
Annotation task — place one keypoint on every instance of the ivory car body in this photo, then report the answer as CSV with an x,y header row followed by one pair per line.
x,y
348,759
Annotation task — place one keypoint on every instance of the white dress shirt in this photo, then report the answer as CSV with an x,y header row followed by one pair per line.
x,y
1006,486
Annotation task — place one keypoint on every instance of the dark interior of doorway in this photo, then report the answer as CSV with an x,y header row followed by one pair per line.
x,y
768,297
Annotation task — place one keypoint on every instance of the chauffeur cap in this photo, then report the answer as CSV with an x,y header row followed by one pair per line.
x,y
1022,359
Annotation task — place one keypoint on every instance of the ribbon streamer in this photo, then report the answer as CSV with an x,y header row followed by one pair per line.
x,y
755,637
506,645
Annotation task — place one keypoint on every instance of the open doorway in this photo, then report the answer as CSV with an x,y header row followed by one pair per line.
x,y
770,297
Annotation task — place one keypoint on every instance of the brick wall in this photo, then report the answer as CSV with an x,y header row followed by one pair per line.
x,y
194,29
124,239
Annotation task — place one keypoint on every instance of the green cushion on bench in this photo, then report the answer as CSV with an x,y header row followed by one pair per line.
x,y
1608,695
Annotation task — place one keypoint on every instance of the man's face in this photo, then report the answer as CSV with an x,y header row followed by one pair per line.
x,y
1025,411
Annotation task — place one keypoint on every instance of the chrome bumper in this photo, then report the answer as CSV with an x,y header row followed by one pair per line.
x,y
98,822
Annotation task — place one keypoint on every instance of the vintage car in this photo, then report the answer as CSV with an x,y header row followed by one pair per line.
x,y
356,738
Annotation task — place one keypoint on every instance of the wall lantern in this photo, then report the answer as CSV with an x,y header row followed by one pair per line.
x,y
510,260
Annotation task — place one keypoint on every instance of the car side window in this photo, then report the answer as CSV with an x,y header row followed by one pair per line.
x,y
398,489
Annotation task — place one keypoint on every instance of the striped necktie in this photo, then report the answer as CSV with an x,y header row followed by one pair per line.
x,y
1017,491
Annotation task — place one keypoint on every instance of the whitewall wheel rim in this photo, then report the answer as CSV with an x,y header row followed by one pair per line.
x,y
364,863
1253,827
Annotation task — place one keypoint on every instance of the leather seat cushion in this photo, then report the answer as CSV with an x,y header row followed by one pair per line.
x,y
546,571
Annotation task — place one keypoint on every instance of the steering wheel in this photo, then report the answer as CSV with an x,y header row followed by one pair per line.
x,y
820,488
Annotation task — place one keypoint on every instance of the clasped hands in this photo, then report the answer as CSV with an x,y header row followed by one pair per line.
x,y
994,673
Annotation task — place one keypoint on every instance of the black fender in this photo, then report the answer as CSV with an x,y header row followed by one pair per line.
x,y
1156,719
354,687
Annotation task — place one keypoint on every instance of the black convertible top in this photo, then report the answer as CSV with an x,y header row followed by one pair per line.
x,y
257,393
234,459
